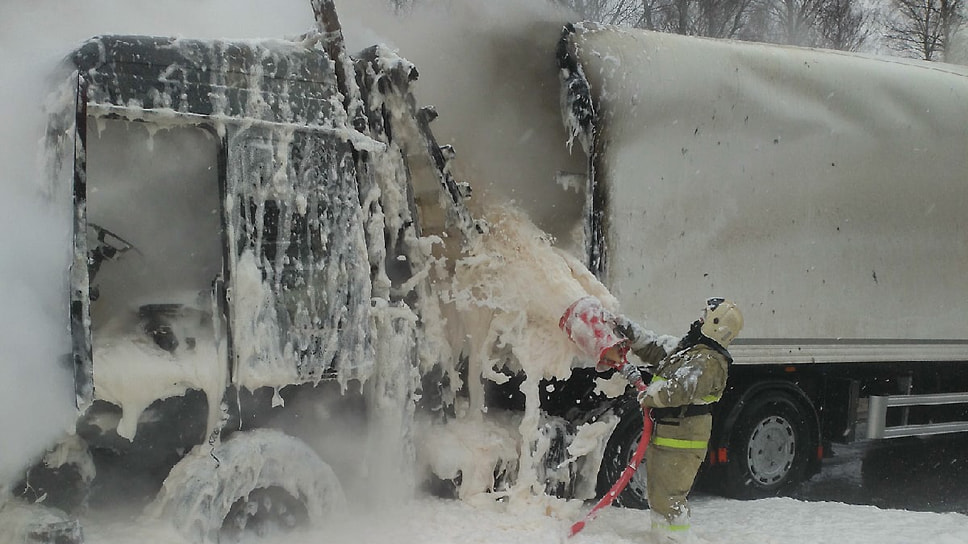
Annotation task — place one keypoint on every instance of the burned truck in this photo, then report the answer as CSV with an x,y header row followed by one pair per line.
x,y
247,235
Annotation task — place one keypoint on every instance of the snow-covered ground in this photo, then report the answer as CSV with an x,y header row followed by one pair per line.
x,y
716,521
823,519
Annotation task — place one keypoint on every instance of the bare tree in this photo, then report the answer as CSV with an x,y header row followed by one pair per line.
x,y
722,18
843,25
791,22
616,12
837,24
924,28
714,18
782,21
833,24
401,6
665,16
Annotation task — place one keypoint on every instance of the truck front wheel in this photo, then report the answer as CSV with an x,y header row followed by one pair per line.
x,y
618,453
255,481
768,448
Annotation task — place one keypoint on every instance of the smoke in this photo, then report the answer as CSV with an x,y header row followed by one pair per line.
x,y
488,67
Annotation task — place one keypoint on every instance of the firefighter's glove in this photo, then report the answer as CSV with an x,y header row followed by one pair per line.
x,y
624,326
651,393
638,336
642,396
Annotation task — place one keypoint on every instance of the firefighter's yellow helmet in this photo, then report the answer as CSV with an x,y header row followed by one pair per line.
x,y
721,320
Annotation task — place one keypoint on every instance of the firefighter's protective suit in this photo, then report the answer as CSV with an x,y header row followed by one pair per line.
x,y
685,383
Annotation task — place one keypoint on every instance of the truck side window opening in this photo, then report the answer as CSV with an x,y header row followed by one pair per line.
x,y
153,222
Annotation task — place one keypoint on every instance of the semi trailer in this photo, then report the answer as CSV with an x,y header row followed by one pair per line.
x,y
823,191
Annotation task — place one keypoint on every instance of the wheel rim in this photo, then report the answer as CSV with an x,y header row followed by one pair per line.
x,y
264,511
772,449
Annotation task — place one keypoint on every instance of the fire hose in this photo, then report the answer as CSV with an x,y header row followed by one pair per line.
x,y
630,372
586,323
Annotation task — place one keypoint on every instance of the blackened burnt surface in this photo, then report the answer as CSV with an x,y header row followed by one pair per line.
x,y
270,80
576,93
307,240
582,119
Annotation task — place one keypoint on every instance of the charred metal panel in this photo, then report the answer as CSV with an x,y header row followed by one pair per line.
x,y
394,118
270,80
80,309
307,298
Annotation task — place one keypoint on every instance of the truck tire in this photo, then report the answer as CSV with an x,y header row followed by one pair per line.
x,y
768,448
255,481
618,452
33,523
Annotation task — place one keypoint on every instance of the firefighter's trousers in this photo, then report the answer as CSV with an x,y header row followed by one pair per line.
x,y
672,460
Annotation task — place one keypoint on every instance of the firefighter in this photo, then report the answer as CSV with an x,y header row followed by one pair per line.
x,y
685,384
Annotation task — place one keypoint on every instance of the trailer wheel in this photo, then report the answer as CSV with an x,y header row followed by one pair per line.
x,y
768,448
618,452
254,482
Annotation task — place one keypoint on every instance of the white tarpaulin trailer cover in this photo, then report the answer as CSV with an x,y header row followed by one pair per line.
x,y
824,191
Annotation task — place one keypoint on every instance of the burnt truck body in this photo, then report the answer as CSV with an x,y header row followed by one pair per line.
x,y
246,237
208,185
